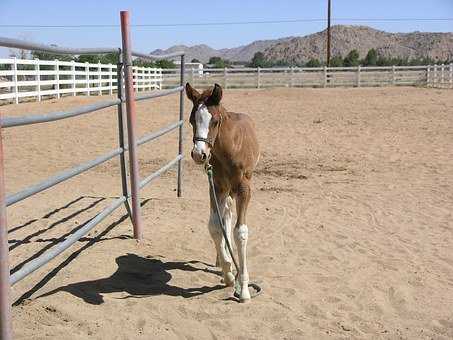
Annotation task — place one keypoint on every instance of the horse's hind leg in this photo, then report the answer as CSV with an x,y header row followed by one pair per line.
x,y
241,236
215,229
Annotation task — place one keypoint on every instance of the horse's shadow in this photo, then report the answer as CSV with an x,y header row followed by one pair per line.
x,y
138,277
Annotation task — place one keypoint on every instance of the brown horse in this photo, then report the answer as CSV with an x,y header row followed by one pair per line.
x,y
226,140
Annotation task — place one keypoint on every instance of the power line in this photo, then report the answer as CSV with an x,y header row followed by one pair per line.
x,y
230,23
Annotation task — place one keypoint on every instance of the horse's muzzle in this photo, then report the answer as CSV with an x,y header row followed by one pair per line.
x,y
199,157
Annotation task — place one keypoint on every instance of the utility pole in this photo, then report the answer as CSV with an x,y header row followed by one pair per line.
x,y
328,31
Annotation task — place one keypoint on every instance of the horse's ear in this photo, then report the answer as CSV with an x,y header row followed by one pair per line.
x,y
191,93
216,95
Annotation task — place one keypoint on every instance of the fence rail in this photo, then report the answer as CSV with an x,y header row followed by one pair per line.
x,y
433,76
24,78
125,79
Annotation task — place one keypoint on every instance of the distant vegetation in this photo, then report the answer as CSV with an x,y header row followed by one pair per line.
x,y
218,62
351,59
259,60
109,58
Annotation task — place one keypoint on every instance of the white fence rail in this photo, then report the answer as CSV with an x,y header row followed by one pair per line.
x,y
22,78
433,76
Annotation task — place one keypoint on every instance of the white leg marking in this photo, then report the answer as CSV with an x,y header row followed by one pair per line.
x,y
216,233
242,287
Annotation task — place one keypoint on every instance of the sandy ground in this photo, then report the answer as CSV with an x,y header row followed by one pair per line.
x,y
350,222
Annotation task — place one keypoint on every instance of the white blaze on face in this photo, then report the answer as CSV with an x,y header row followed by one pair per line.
x,y
202,120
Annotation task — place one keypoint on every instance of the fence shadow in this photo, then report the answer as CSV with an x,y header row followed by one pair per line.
x,y
89,242
28,238
46,215
139,277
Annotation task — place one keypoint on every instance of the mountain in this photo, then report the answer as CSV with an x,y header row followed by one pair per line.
x,y
200,52
438,46
203,52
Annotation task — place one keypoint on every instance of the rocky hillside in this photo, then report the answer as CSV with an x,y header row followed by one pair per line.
x,y
438,46
344,38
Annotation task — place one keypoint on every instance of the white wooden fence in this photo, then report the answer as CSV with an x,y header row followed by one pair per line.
x,y
433,76
20,78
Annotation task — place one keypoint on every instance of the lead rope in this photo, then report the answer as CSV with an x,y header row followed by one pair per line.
x,y
208,169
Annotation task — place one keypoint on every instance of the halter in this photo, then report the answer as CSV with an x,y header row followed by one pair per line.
x,y
206,140
201,139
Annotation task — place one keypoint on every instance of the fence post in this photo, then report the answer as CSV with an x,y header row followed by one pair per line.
x,y
111,77
435,75
38,79
428,80
74,85
16,88
291,83
451,75
442,78
121,130
325,76
393,75
131,126
57,77
181,117
258,80
87,76
5,303
99,78
358,75
301,77
225,77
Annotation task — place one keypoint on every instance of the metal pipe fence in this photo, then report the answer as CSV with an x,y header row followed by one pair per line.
x,y
126,110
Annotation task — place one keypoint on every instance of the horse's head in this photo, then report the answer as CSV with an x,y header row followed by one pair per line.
x,y
205,119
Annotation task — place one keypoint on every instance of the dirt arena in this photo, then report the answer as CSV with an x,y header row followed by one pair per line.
x,y
351,228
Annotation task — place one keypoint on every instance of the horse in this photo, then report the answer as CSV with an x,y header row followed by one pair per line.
x,y
227,141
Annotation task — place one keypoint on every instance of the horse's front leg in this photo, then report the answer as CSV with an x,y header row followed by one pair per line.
x,y
223,259
241,237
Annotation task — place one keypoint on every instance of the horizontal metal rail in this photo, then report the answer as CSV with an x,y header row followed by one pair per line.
x,y
60,177
61,247
159,93
49,117
153,135
26,45
154,57
159,172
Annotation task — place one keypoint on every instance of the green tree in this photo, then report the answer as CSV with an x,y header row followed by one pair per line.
x,y
89,58
214,60
383,61
164,63
337,61
352,59
110,58
313,63
143,63
371,58
51,56
218,62
259,60
195,60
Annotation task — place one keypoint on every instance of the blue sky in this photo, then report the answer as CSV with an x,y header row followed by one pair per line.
x,y
68,12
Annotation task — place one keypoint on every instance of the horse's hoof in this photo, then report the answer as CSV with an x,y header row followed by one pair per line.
x,y
244,300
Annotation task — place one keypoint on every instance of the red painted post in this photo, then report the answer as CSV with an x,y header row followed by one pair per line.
x,y
5,303
131,126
